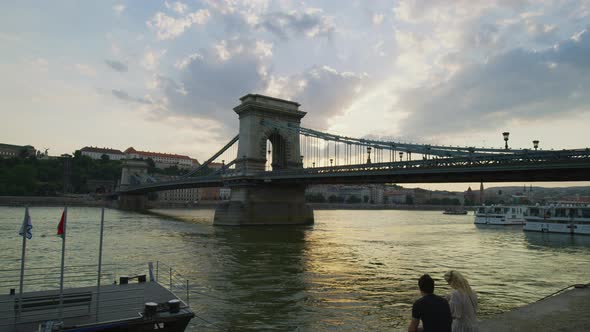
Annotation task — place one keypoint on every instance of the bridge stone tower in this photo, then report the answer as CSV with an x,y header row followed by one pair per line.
x,y
133,173
265,119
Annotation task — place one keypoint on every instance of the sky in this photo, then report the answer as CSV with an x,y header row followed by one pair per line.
x,y
164,75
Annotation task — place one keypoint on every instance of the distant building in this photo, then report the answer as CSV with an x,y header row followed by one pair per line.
x,y
396,195
97,153
163,160
14,151
186,195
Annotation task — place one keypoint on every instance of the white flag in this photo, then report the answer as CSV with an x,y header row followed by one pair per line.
x,y
27,226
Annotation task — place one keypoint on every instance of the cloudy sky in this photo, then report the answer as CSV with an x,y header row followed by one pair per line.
x,y
164,75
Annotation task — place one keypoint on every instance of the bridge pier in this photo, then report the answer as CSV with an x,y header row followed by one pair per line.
x,y
265,204
132,202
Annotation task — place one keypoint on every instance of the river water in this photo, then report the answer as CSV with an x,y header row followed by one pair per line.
x,y
350,271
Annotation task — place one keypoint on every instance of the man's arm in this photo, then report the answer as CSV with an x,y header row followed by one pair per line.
x,y
414,325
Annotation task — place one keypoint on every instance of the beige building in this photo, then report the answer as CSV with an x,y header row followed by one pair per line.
x,y
163,160
97,153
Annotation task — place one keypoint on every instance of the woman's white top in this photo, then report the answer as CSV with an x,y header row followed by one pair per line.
x,y
463,310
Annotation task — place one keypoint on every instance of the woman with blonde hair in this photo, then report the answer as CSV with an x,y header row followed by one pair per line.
x,y
463,303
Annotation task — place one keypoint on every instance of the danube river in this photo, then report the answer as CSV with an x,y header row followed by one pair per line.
x,y
351,271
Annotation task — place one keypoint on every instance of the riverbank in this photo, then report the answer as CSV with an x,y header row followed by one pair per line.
x,y
92,201
567,311
74,200
361,206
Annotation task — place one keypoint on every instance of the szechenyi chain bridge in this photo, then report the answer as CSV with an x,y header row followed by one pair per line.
x,y
270,133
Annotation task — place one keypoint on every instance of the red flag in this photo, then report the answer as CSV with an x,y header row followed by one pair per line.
x,y
60,227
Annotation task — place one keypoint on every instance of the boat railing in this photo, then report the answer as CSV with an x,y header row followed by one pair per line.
x,y
173,281
46,281
48,277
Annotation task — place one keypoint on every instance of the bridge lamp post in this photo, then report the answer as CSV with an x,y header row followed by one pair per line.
x,y
536,144
401,156
368,154
331,160
506,134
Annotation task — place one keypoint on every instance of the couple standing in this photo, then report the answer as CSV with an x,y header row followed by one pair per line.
x,y
457,313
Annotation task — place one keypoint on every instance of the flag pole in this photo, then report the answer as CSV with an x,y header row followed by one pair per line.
x,y
99,262
63,254
22,260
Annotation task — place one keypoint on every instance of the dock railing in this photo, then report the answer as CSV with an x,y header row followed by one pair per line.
x,y
173,281
45,281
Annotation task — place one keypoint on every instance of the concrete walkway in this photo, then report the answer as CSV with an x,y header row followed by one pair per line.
x,y
567,311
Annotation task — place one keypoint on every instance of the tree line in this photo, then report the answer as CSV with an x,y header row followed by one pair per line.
x,y
32,176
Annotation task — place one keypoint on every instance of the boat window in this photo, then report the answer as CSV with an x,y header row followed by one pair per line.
x,y
560,213
481,210
534,212
585,213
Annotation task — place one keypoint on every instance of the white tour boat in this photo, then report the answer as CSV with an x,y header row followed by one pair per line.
x,y
559,218
499,215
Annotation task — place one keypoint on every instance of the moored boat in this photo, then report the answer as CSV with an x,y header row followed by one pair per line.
x,y
500,215
455,211
559,218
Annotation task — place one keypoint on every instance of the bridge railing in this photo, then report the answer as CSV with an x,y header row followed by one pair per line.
x,y
532,157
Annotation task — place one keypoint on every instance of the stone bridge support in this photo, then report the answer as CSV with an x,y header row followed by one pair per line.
x,y
265,205
134,173
265,119
136,202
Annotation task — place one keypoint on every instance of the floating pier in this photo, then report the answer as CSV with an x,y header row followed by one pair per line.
x,y
122,307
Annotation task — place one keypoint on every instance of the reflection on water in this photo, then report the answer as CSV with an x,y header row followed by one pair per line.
x,y
539,240
351,271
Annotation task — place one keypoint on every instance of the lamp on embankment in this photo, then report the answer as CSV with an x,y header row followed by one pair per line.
x,y
505,134
368,154
536,144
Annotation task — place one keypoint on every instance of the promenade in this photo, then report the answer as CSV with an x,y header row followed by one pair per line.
x,y
567,311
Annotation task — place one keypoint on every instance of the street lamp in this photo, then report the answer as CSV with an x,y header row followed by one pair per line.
x,y
536,144
331,160
401,156
368,154
505,134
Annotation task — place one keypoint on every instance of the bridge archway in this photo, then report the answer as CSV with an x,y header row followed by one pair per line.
x,y
264,119
276,151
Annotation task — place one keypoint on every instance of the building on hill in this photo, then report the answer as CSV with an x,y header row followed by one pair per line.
x,y
163,160
15,151
97,153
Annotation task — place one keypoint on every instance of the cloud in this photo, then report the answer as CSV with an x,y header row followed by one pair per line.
x,y
309,22
519,84
323,92
85,69
212,81
120,94
168,27
210,85
151,59
178,7
378,18
119,9
116,65
184,62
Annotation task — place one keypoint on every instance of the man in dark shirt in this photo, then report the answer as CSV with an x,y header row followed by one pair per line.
x,y
432,310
